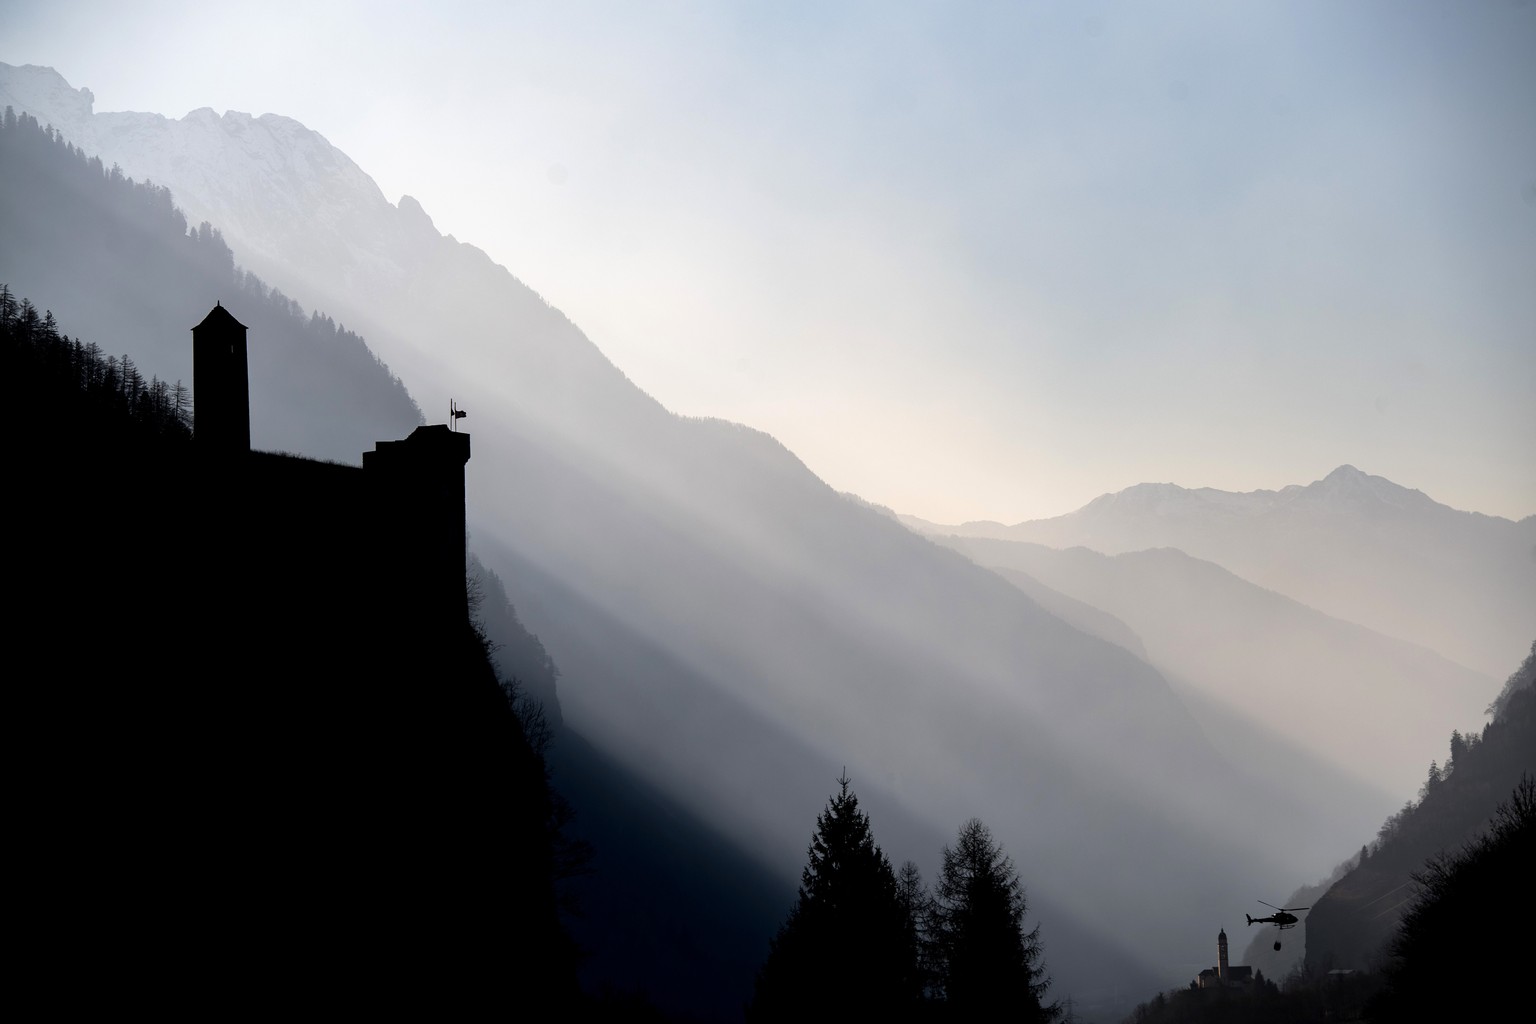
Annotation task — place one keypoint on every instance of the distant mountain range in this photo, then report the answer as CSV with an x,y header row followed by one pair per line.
x,y
732,631
1354,546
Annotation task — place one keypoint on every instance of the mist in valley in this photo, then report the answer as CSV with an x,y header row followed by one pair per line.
x,y
817,362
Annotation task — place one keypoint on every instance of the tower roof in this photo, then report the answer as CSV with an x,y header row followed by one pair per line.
x,y
218,316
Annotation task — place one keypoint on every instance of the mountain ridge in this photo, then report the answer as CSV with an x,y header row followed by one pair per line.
x,y
1344,479
1352,545
304,216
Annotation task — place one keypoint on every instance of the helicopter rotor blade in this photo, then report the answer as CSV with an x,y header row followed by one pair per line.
x,y
1271,906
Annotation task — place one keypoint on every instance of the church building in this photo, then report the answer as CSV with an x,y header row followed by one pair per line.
x,y
1224,974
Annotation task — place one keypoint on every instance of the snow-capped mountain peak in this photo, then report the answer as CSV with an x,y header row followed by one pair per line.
x,y
266,181
1349,489
34,88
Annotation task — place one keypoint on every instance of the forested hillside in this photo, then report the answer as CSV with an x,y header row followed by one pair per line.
x,y
1351,926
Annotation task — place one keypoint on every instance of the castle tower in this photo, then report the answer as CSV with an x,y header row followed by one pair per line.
x,y
419,487
221,386
1221,954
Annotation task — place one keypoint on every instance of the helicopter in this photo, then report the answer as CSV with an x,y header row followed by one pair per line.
x,y
1282,918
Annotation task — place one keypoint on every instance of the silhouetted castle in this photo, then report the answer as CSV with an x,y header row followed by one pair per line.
x,y
265,753
414,487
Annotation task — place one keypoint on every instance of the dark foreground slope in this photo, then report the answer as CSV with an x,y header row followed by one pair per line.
x,y
1463,894
255,761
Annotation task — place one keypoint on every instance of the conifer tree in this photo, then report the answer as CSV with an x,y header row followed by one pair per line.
x,y
988,965
917,911
844,949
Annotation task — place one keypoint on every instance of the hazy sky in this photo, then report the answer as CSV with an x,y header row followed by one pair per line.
x,y
967,260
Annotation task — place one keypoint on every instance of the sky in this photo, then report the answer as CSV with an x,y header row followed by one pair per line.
x,y
968,261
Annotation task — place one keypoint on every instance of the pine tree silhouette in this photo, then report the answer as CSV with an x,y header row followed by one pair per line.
x,y
845,947
989,966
